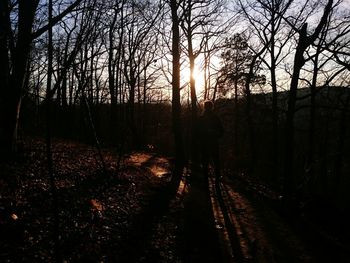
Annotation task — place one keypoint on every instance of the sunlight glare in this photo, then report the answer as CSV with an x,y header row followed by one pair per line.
x,y
198,76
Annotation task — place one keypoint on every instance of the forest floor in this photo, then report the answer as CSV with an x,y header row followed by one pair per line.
x,y
123,213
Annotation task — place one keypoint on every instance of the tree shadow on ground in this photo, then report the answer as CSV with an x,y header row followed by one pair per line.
x,y
201,241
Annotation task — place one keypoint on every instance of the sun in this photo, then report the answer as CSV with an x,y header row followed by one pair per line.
x,y
198,76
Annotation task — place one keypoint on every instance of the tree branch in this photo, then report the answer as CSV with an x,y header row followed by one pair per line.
x,y
55,20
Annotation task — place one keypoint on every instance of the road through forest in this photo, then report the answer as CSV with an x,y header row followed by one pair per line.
x,y
227,222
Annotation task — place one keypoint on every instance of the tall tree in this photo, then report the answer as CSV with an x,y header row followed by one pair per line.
x,y
235,61
266,20
137,43
57,255
196,14
176,103
305,40
17,48
240,68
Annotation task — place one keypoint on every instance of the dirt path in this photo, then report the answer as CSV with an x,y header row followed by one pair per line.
x,y
251,230
250,233
210,222
201,241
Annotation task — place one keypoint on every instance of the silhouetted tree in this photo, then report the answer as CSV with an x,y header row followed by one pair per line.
x,y
240,68
17,45
304,41
176,103
266,20
138,43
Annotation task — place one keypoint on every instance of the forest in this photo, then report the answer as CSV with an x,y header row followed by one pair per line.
x,y
107,153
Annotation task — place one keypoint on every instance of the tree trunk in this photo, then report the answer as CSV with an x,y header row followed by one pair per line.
x,y
251,133
19,60
13,92
131,109
55,226
194,111
4,76
235,116
338,164
288,180
248,108
310,161
304,42
275,130
192,79
176,104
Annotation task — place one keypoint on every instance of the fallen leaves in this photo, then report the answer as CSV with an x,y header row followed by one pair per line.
x,y
96,206
95,210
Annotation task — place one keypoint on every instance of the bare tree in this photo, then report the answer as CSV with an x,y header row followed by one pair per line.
x,y
266,20
176,103
198,22
57,254
195,16
241,69
137,44
17,47
305,40
325,69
